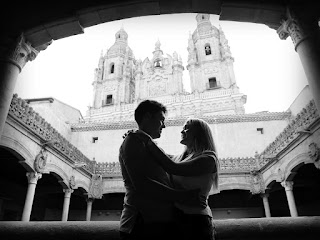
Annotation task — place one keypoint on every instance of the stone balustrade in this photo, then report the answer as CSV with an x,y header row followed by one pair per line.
x,y
24,114
275,228
302,122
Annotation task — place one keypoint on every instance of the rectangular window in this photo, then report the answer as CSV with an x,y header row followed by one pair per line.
x,y
260,130
213,83
109,99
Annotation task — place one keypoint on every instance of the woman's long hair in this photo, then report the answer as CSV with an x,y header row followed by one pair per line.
x,y
203,141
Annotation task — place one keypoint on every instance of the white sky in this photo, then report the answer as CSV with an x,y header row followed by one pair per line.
x,y
267,69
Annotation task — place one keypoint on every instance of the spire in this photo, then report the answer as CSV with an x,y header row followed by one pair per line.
x,y
158,44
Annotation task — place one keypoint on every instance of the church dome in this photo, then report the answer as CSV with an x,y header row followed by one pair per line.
x,y
121,35
204,27
120,47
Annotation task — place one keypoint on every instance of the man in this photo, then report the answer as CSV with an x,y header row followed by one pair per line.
x,y
148,210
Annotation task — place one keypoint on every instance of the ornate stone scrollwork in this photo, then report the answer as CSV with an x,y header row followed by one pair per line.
x,y
41,161
257,184
281,175
292,27
314,154
72,182
95,189
19,52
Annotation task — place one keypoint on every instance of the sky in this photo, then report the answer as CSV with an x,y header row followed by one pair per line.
x,y
267,69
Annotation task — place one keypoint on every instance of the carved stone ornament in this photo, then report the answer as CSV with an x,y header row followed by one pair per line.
x,y
19,52
257,185
72,182
41,161
292,27
281,175
95,189
314,154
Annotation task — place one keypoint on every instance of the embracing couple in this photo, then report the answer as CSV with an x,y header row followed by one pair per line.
x,y
167,196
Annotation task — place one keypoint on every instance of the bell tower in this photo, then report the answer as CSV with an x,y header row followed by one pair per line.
x,y
210,63
113,82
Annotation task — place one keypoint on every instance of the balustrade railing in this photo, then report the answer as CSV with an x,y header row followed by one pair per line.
x,y
23,113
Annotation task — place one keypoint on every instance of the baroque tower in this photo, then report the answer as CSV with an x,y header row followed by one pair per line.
x,y
113,81
210,63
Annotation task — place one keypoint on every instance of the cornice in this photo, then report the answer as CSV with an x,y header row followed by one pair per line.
x,y
217,119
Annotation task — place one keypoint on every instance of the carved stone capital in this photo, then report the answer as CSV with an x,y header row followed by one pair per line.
x,y
33,177
264,195
17,52
288,185
90,200
292,27
67,192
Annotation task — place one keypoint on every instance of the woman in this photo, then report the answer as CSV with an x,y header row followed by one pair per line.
x,y
196,167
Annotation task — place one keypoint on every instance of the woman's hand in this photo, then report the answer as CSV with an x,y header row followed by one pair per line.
x,y
143,137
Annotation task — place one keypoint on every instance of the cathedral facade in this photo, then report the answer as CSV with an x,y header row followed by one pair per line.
x,y
121,81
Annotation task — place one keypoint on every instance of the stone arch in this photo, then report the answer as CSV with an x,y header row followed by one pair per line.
x,y
272,178
234,185
62,176
26,158
290,169
295,164
82,184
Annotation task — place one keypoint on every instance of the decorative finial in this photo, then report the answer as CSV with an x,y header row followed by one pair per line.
x,y
158,45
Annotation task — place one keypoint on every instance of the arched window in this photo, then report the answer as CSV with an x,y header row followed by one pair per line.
x,y
112,68
157,63
207,49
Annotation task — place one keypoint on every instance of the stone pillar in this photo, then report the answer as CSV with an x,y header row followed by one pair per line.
x,y
89,208
304,37
66,204
33,178
14,54
266,206
288,186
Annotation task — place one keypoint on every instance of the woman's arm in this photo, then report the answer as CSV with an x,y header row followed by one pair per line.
x,y
199,165
202,164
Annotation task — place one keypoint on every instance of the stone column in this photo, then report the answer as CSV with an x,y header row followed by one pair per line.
x,y
288,186
89,208
14,54
66,204
33,178
266,206
304,37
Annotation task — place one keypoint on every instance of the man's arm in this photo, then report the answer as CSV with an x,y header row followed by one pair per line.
x,y
134,154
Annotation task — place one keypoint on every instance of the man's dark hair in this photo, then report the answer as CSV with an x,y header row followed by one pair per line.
x,y
148,106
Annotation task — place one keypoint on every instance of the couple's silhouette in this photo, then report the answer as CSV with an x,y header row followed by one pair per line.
x,y
166,196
